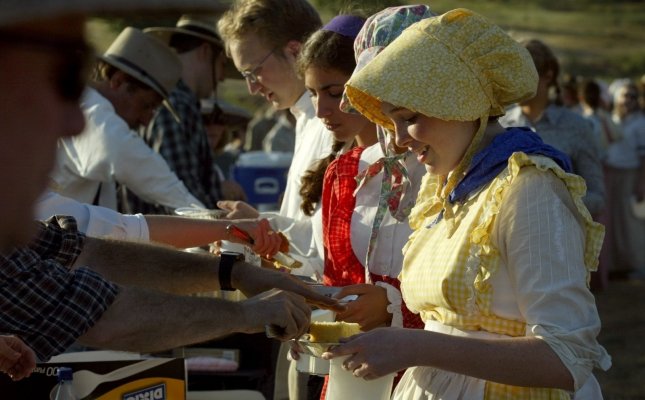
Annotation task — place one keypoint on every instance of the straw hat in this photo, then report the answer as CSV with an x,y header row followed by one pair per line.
x,y
199,26
17,11
147,59
457,66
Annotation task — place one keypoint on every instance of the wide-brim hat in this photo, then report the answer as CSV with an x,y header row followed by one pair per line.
x,y
18,11
457,66
147,59
199,26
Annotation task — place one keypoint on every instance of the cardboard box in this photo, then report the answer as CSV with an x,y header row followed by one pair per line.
x,y
133,378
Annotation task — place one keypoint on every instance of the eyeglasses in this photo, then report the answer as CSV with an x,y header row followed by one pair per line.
x,y
71,76
252,75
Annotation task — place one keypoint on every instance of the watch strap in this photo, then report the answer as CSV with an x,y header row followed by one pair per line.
x,y
227,260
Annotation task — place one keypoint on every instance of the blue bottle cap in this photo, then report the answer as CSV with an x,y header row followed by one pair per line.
x,y
65,374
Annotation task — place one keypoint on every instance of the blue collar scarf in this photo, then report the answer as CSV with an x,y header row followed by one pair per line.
x,y
490,161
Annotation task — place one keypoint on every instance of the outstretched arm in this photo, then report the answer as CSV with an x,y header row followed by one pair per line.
x,y
168,270
189,232
147,321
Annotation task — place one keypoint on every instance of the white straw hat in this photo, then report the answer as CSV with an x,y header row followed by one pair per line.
x,y
147,59
17,11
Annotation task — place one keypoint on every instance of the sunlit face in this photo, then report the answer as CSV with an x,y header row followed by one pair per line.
x,y
437,143
274,70
34,114
134,104
325,86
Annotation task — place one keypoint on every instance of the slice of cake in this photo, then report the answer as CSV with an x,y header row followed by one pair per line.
x,y
331,332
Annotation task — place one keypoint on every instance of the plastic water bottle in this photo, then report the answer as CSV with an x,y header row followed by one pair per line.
x,y
64,389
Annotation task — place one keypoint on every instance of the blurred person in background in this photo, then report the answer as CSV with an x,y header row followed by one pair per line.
x,y
625,168
271,130
131,80
183,143
221,121
569,94
593,107
263,119
607,132
559,127
281,136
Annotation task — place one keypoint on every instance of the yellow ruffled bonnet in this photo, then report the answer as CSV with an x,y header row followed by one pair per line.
x,y
457,66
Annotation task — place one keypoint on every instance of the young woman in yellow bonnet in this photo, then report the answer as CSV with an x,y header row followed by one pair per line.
x,y
499,261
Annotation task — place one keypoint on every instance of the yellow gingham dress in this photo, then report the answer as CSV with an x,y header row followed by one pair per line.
x,y
452,270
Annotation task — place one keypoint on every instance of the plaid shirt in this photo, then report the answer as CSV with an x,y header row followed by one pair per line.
x,y
185,148
41,300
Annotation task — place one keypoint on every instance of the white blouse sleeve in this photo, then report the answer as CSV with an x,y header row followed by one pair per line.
x,y
541,240
92,220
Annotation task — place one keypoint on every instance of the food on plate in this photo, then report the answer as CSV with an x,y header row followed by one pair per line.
x,y
331,332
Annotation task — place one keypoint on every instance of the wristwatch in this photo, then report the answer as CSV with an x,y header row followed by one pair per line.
x,y
226,261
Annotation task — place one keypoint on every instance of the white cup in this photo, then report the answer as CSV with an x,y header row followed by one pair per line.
x,y
344,385
312,365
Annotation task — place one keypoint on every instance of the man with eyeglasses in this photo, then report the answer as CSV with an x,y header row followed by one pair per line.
x,y
263,39
59,285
